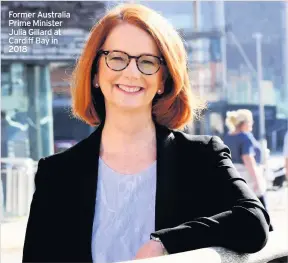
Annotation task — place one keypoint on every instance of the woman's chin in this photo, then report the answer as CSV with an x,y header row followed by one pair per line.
x,y
133,107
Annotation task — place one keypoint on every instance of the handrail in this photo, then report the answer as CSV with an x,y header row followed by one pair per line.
x,y
17,186
276,247
18,161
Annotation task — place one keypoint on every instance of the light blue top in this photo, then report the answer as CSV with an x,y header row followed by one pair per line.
x,y
124,213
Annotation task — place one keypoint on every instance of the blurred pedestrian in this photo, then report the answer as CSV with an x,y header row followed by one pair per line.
x,y
1,199
138,187
246,150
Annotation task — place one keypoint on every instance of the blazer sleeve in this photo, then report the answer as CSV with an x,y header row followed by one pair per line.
x,y
243,228
38,222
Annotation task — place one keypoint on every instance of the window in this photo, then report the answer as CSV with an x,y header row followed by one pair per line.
x,y
6,86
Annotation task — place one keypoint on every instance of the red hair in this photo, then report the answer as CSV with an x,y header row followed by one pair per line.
x,y
175,108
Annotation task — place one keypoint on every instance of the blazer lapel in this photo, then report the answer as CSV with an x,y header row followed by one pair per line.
x,y
89,159
166,174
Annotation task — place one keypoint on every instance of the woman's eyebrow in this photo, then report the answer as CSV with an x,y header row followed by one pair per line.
x,y
140,54
154,55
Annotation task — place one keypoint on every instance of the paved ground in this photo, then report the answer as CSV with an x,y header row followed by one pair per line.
x,y
12,238
12,232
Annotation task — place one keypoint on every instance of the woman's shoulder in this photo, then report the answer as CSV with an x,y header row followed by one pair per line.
x,y
199,142
67,153
68,158
246,137
186,138
240,136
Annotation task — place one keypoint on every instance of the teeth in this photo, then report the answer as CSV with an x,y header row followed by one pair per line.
x,y
125,88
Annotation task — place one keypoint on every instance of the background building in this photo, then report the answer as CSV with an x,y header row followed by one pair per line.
x,y
34,119
35,95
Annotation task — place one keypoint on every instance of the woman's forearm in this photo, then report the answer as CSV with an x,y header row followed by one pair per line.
x,y
251,165
286,165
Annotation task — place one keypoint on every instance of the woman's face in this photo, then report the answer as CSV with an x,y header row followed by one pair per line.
x,y
247,126
121,88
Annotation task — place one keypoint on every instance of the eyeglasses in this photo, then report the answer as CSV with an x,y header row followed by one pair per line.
x,y
119,60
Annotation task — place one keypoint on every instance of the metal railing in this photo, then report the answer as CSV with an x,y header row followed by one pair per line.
x,y
276,251
17,186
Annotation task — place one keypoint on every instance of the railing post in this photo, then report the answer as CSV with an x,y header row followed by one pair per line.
x,y
18,186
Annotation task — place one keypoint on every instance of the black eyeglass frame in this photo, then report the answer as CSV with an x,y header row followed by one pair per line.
x,y
107,52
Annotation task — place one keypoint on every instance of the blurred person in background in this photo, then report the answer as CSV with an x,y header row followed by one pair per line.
x,y
246,151
138,186
1,200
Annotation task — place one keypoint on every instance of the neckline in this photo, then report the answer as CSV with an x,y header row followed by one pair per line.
x,y
145,170
236,134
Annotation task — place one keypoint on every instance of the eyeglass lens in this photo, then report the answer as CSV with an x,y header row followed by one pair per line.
x,y
146,64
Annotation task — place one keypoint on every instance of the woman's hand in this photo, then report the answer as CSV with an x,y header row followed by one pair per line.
x,y
256,188
149,250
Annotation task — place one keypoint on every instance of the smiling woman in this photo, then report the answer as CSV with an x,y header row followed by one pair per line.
x,y
175,106
139,72
138,186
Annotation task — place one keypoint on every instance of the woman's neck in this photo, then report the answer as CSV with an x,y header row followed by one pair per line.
x,y
237,131
127,131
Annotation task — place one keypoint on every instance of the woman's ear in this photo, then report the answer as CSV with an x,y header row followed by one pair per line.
x,y
94,70
95,81
162,86
165,75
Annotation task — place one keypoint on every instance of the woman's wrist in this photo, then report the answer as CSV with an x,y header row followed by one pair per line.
x,y
157,239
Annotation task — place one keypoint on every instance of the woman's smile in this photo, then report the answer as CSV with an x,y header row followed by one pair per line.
x,y
129,89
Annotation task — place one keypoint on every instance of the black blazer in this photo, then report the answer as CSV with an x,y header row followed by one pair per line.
x,y
201,200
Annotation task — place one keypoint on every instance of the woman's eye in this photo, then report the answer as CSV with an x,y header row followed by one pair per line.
x,y
147,62
118,58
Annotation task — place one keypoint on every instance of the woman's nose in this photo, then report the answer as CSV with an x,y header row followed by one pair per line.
x,y
132,68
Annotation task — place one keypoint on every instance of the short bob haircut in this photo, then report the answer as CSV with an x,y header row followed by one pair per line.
x,y
175,108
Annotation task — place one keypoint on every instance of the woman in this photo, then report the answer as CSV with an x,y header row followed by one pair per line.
x,y
138,187
245,150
